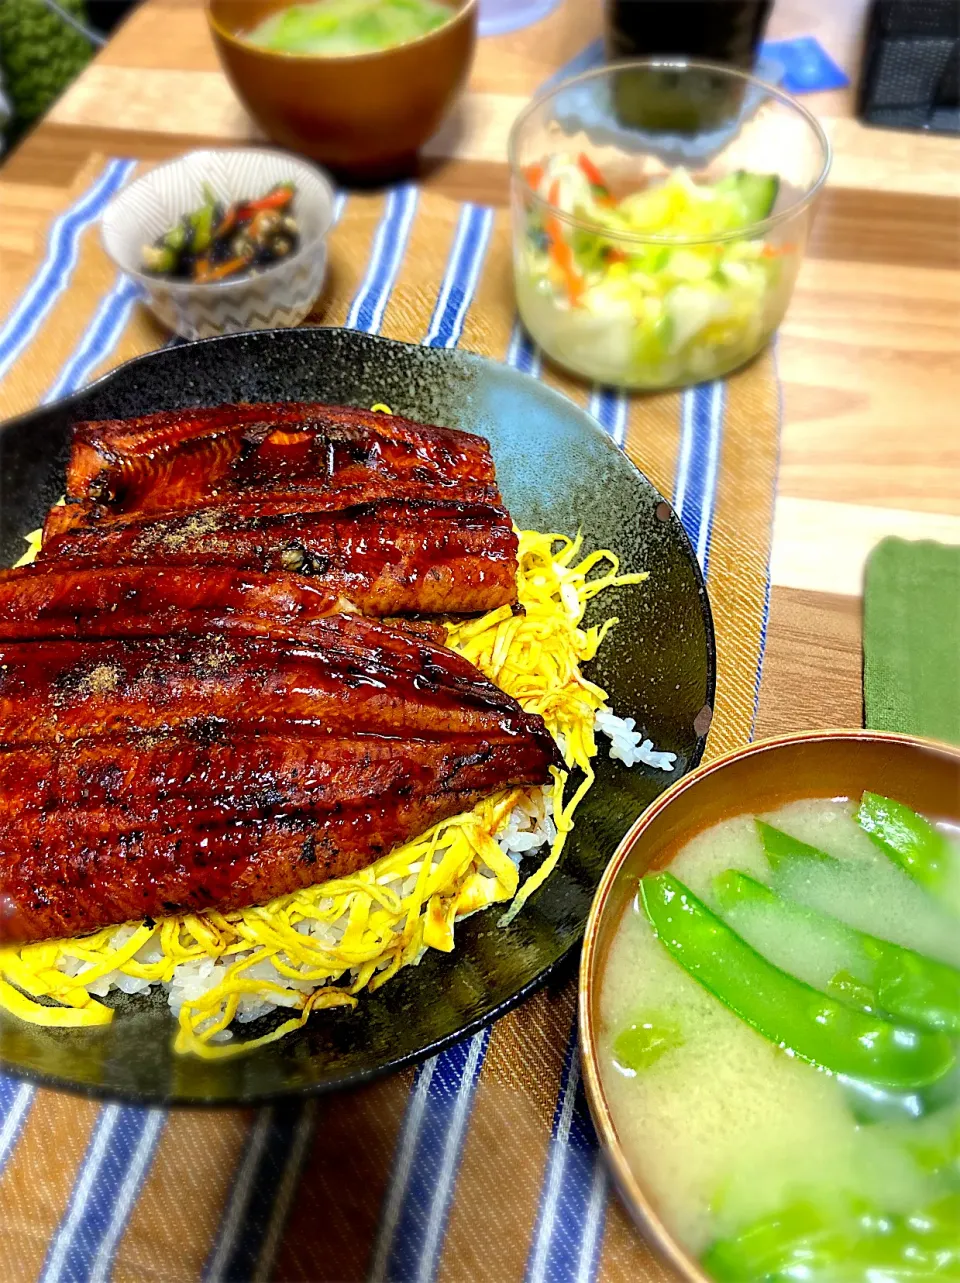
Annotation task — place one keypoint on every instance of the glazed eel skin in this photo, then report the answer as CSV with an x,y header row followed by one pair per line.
x,y
77,600
238,756
392,516
386,557
182,458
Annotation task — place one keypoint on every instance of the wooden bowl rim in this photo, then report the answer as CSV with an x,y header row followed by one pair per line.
x,y
634,1193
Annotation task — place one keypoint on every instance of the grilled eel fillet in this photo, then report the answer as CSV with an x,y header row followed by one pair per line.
x,y
142,776
183,458
77,600
386,557
392,516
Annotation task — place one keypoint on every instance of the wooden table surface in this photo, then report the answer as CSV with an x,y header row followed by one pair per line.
x,y
867,354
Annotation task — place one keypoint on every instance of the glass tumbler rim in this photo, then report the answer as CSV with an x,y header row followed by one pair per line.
x,y
748,231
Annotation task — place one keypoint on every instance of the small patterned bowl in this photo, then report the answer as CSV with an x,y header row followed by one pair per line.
x,y
279,295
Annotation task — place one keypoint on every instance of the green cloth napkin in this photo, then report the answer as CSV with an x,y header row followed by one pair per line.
x,y
911,639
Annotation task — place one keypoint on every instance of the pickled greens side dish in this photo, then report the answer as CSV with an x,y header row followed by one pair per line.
x,y
780,1032
657,287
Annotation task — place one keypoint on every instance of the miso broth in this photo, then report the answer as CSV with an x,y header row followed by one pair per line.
x,y
764,1163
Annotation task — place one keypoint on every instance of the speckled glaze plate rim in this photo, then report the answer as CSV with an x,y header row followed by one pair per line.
x,y
358,1077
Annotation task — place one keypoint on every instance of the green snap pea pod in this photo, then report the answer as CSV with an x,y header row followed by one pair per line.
x,y
918,989
897,980
780,847
802,1243
788,1012
905,837
759,1250
845,986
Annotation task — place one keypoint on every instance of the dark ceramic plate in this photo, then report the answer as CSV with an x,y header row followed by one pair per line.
x,y
558,471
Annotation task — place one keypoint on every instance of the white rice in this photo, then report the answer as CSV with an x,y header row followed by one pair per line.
x,y
628,745
529,827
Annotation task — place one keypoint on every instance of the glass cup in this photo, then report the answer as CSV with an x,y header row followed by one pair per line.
x,y
660,212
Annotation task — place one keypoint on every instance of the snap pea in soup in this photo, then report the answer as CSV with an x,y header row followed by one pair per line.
x,y
780,1028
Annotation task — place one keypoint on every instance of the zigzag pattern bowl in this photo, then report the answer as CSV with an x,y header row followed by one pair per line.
x,y
280,295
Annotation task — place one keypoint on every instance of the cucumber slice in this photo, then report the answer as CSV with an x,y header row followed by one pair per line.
x,y
757,192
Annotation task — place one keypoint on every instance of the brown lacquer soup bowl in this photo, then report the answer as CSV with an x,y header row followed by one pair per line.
x,y
364,115
758,778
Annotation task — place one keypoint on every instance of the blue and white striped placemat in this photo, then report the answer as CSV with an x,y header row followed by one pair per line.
x,y
483,1162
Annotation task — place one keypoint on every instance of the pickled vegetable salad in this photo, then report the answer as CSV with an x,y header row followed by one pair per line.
x,y
647,313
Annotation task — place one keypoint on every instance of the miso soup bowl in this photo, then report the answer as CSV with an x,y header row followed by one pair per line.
x,y
760,777
363,115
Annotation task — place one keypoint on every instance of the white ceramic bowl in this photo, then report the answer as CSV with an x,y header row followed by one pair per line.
x,y
281,294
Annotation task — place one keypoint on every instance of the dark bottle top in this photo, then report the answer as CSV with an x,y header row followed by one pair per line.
x,y
722,31
712,30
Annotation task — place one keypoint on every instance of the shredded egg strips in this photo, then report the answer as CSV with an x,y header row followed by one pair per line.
x,y
388,914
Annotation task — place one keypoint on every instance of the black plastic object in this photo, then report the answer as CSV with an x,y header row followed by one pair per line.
x,y
558,471
718,31
106,15
727,31
911,70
